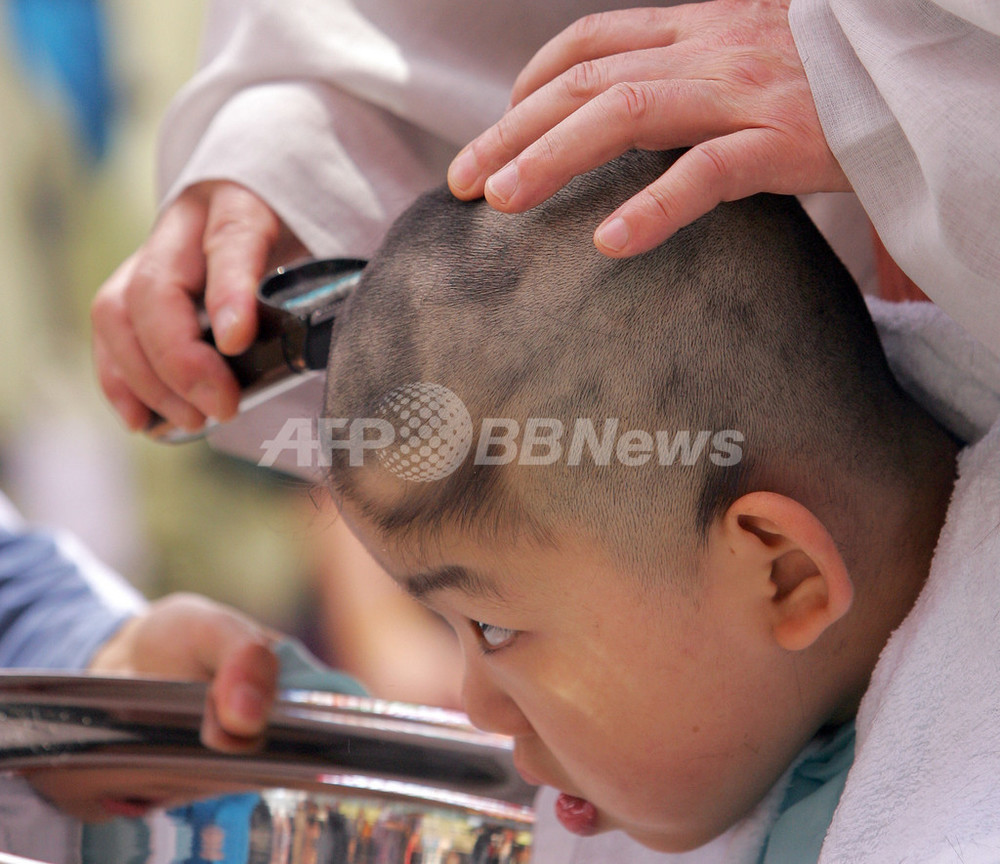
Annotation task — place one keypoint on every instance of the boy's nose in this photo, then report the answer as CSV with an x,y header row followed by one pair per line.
x,y
488,705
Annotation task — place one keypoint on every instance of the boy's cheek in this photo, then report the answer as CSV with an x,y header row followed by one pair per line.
x,y
642,779
671,810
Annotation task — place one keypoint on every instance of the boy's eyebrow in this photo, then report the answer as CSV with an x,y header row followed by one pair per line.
x,y
451,576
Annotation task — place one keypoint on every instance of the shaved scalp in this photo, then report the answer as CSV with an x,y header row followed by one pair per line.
x,y
744,321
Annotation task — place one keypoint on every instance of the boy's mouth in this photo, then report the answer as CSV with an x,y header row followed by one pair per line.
x,y
576,815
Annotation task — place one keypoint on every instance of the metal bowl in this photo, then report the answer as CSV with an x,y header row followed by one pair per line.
x,y
107,770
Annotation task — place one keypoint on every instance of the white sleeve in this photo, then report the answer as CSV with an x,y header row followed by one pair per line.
x,y
908,93
337,171
339,112
294,101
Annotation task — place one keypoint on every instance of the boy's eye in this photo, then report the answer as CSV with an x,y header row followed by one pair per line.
x,y
494,637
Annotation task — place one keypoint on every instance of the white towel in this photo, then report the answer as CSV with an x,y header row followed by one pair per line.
x,y
947,371
925,785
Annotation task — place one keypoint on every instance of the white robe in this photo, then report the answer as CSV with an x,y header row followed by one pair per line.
x,y
908,93
338,112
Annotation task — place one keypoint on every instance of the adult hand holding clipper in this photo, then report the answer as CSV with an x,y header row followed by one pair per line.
x,y
214,242
295,311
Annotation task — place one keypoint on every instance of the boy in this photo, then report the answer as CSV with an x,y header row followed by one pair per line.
x,y
674,506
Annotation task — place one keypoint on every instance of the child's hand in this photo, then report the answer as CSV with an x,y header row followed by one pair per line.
x,y
216,239
185,636
722,77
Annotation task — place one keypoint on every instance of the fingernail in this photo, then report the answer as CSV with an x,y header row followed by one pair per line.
x,y
247,702
223,324
503,184
613,235
205,397
464,171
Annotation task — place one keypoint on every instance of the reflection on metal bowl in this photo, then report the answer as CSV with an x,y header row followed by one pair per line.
x,y
102,771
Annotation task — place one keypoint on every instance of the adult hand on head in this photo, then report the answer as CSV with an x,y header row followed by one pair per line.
x,y
217,238
721,77
185,636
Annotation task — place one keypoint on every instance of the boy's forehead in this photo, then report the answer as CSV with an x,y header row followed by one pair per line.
x,y
499,573
425,565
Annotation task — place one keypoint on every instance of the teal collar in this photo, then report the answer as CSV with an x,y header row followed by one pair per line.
x,y
811,799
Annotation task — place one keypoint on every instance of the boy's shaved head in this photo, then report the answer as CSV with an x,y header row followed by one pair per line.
x,y
742,332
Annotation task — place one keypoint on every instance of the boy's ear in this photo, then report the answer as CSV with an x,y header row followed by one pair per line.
x,y
807,582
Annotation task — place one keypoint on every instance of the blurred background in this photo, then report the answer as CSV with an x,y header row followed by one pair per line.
x,y
83,86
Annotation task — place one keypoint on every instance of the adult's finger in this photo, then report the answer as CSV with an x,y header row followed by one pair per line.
x,y
107,308
132,411
652,115
725,168
722,169
240,233
161,304
123,370
601,34
536,128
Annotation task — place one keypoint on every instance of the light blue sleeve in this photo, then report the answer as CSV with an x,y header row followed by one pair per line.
x,y
300,670
58,603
